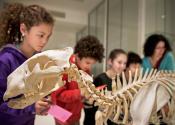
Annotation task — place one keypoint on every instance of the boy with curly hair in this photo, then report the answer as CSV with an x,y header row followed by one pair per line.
x,y
87,52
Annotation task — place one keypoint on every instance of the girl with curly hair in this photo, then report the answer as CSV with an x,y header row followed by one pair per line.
x,y
24,31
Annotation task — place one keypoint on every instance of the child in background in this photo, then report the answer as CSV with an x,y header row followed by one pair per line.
x,y
117,64
87,52
133,62
24,31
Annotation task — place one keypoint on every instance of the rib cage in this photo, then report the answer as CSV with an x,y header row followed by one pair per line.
x,y
112,106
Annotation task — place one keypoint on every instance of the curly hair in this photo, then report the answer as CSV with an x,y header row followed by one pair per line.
x,y
151,43
133,58
115,52
89,46
15,14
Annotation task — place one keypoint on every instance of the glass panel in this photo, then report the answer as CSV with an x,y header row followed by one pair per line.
x,y
129,25
155,15
114,25
169,16
101,22
169,22
92,22
83,32
98,68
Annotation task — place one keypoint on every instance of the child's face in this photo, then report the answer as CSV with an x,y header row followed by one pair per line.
x,y
85,63
37,37
119,63
133,66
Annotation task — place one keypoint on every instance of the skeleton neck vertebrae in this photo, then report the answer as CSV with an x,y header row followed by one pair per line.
x,y
134,101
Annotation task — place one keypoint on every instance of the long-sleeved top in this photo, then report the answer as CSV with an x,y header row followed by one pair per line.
x,y
167,63
103,79
10,59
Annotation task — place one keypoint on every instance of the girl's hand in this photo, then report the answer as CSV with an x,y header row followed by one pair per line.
x,y
42,106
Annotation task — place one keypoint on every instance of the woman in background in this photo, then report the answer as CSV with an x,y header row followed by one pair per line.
x,y
24,31
158,53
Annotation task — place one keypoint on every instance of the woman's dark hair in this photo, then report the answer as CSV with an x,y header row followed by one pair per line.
x,y
89,46
115,52
133,58
151,43
15,14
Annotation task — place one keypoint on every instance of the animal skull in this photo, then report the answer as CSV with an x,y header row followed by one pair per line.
x,y
37,77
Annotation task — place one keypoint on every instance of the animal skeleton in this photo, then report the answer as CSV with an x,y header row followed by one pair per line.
x,y
143,96
41,75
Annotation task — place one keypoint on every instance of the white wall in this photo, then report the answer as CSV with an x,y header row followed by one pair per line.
x,y
60,40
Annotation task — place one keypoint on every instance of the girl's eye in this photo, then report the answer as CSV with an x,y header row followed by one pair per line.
x,y
41,35
120,62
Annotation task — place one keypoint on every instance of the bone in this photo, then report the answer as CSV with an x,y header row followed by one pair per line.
x,y
145,75
124,79
135,75
114,85
130,78
150,74
116,117
126,113
39,71
119,84
140,75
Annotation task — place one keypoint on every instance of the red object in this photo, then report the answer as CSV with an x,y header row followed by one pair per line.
x,y
72,59
69,98
101,87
